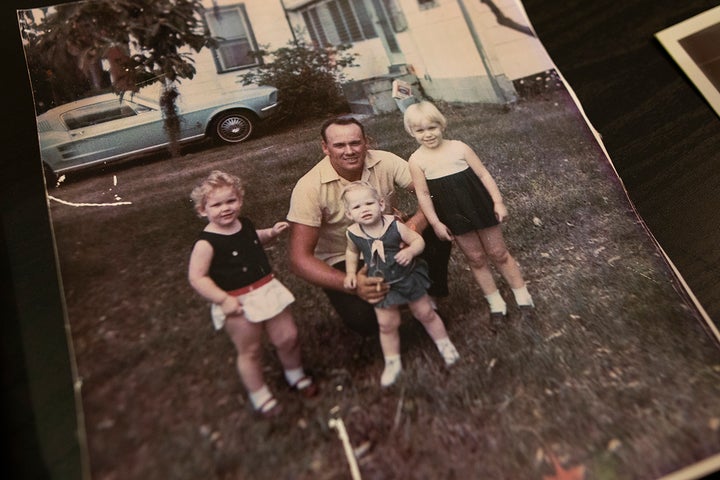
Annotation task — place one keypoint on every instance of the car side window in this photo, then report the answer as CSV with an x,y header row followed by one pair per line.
x,y
96,114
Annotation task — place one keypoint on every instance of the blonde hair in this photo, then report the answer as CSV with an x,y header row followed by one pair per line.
x,y
216,179
423,111
359,185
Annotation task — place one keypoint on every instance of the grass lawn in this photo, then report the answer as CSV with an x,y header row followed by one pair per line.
x,y
617,375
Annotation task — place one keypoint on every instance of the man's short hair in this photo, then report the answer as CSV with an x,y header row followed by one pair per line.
x,y
340,120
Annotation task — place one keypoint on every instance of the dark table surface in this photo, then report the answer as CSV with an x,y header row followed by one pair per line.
x,y
661,135
663,138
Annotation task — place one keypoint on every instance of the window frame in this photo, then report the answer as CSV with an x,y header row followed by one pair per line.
x,y
249,36
347,30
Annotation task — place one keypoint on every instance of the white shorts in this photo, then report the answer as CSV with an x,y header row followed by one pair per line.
x,y
258,305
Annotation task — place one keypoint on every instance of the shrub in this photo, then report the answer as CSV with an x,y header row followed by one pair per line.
x,y
307,77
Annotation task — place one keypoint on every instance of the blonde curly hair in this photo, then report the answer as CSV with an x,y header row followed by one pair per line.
x,y
216,179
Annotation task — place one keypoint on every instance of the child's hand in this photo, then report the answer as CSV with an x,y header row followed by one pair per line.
x,y
404,257
350,281
443,232
501,212
279,227
231,306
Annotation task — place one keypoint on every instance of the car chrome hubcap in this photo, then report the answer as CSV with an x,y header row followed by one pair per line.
x,y
234,128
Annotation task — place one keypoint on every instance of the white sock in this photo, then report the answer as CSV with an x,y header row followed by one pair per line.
x,y
294,375
393,367
260,396
497,304
522,296
447,350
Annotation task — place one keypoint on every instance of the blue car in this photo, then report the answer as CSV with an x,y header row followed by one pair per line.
x,y
104,128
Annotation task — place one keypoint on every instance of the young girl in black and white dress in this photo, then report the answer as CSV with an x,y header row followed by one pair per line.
x,y
461,202
229,267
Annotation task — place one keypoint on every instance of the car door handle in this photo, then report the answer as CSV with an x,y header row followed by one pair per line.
x,y
77,133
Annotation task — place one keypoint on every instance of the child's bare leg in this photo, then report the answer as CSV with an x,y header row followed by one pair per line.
x,y
494,244
247,339
389,323
472,247
474,251
284,336
422,310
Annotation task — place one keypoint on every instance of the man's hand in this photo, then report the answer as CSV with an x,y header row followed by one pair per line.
x,y
370,289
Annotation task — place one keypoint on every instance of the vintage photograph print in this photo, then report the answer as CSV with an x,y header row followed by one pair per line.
x,y
199,158
695,45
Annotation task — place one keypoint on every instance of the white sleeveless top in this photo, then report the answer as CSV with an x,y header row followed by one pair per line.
x,y
453,162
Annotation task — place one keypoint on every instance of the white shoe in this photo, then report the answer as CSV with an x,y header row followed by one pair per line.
x,y
449,353
391,372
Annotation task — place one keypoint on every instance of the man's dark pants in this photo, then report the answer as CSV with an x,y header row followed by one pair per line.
x,y
359,315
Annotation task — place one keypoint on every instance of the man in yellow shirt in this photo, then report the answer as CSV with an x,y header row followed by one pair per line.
x,y
318,221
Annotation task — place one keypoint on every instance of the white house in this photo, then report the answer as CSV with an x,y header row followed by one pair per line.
x,y
243,26
456,50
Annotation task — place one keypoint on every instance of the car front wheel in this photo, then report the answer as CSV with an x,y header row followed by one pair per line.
x,y
233,127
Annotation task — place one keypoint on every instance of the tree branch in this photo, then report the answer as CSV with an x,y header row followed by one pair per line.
x,y
507,21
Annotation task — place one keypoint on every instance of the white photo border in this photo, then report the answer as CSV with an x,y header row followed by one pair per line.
x,y
670,39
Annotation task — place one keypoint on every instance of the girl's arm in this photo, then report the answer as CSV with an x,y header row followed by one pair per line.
x,y
351,263
200,258
477,166
413,240
425,202
266,235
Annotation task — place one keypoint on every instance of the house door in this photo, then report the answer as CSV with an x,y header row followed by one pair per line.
x,y
389,19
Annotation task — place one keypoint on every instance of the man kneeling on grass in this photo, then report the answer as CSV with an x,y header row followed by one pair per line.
x,y
318,222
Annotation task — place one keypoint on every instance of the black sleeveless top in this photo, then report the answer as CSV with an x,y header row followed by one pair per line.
x,y
238,259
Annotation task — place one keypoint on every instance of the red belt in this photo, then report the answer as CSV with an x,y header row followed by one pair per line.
x,y
253,286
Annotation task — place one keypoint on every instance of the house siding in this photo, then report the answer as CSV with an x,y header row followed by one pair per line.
x,y
269,28
437,47
442,52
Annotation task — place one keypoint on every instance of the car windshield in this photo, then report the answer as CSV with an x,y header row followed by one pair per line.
x,y
100,113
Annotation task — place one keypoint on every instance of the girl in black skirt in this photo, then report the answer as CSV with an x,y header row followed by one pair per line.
x,y
462,202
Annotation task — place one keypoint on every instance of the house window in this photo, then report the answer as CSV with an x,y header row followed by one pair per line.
x,y
425,4
236,44
335,22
